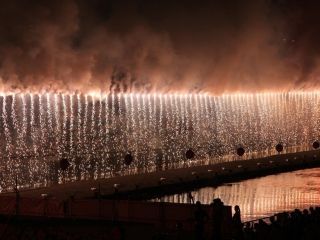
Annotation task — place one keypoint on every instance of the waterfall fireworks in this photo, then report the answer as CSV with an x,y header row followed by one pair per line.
x,y
95,133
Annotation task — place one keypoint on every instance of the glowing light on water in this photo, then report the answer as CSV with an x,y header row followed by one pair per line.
x,y
95,131
261,197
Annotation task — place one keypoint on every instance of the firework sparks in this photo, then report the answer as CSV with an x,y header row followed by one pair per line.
x,y
95,131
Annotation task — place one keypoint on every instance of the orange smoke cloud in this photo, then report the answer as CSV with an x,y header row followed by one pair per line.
x,y
165,46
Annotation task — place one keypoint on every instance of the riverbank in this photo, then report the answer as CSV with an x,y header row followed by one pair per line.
x,y
150,185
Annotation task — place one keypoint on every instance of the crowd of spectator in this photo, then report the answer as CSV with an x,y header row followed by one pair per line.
x,y
295,225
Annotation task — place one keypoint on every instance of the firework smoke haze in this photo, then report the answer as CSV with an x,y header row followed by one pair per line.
x,y
148,45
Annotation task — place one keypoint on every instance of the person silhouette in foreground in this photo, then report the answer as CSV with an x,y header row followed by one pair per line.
x,y
200,217
217,215
237,232
190,198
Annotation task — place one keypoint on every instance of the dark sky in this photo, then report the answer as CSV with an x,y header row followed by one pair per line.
x,y
167,46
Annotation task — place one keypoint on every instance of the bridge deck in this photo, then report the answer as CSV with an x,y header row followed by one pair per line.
x,y
186,176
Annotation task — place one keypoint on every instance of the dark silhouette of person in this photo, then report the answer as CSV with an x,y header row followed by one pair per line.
x,y
65,205
200,217
237,232
248,231
217,218
179,231
117,232
274,229
190,198
17,203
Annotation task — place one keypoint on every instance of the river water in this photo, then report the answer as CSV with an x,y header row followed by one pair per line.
x,y
264,196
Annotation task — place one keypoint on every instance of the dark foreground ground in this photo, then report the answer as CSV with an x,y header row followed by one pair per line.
x,y
295,225
64,229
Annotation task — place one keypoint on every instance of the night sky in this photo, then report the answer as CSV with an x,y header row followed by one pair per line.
x,y
159,46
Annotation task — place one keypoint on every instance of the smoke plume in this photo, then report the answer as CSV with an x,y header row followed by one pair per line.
x,y
163,46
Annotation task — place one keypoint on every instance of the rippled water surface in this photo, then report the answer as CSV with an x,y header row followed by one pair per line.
x,y
262,197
